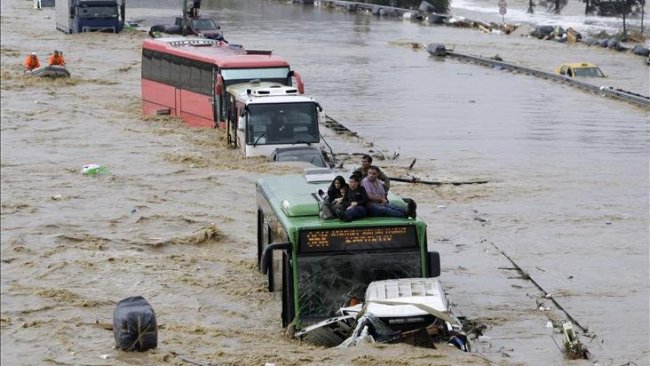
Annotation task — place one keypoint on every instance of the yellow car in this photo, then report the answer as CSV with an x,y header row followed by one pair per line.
x,y
580,69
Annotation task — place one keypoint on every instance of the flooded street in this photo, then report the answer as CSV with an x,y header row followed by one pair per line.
x,y
174,221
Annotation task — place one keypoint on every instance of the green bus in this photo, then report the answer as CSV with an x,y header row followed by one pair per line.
x,y
318,265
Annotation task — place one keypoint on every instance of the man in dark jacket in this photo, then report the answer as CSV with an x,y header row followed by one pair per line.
x,y
366,162
355,201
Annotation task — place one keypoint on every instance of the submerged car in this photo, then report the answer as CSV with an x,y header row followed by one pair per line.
x,y
393,311
202,27
580,69
308,154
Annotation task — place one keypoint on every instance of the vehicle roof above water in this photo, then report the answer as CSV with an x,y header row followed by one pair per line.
x,y
215,52
294,200
267,92
577,65
308,154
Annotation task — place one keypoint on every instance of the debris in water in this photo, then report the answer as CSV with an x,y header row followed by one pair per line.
x,y
93,169
573,348
134,325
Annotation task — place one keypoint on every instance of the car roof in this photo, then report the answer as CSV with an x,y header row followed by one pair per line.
x,y
299,153
305,149
578,65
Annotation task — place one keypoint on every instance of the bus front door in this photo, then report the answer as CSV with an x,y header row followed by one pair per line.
x,y
231,123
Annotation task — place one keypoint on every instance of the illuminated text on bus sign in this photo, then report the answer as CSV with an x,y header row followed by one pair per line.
x,y
358,239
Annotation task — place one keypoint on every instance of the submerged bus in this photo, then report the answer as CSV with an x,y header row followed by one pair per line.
x,y
317,265
187,77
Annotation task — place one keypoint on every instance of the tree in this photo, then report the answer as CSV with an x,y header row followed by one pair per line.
x,y
590,6
642,13
554,6
622,8
531,6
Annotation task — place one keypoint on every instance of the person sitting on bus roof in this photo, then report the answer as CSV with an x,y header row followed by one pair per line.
x,y
333,200
378,204
31,62
56,59
355,201
366,162
334,190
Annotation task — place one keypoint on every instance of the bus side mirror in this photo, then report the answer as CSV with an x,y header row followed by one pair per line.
x,y
322,118
299,85
434,264
321,115
218,88
72,12
267,255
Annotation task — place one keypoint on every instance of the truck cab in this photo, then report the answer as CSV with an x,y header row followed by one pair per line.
x,y
76,16
264,116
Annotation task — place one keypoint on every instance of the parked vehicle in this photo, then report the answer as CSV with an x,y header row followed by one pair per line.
x,y
76,16
580,69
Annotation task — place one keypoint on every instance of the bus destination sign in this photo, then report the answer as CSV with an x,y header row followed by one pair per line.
x,y
358,238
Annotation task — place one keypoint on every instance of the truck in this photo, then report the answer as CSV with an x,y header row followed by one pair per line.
x,y
76,16
267,115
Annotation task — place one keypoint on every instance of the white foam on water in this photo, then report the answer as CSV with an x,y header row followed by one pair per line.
x,y
571,16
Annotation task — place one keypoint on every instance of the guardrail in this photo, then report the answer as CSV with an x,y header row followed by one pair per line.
x,y
353,5
627,96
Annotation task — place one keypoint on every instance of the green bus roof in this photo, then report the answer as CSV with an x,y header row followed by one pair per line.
x,y
293,199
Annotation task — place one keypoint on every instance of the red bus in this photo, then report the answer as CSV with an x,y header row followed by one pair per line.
x,y
186,77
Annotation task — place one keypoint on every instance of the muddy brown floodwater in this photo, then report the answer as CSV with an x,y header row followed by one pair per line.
x,y
174,220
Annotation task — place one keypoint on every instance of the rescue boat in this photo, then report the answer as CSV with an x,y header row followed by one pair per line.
x,y
50,71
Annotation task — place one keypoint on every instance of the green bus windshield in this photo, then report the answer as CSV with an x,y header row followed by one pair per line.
x,y
326,282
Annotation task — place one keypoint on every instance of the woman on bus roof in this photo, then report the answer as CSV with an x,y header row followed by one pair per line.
x,y
334,190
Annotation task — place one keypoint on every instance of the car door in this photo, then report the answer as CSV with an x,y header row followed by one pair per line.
x,y
563,70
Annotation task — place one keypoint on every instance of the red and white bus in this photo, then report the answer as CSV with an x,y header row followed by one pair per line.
x,y
187,77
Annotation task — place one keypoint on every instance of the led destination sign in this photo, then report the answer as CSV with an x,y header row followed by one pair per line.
x,y
363,238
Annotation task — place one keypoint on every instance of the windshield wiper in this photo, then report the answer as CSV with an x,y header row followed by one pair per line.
x,y
258,139
302,142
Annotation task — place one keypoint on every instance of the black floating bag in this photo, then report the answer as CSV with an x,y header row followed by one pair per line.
x,y
134,325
